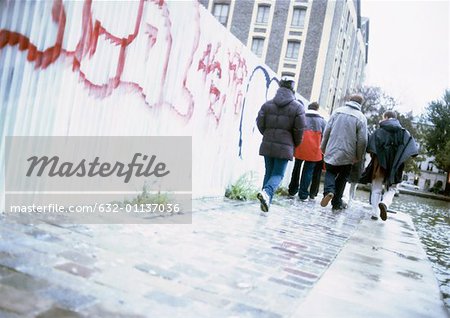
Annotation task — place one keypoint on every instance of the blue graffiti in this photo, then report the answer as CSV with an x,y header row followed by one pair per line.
x,y
269,81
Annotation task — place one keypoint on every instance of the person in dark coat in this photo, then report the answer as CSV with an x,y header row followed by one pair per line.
x,y
389,146
352,183
281,121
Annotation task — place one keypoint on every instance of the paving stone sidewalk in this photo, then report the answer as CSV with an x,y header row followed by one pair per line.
x,y
230,262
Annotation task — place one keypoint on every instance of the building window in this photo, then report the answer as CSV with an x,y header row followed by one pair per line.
x,y
287,74
257,46
220,11
263,14
347,23
293,48
298,18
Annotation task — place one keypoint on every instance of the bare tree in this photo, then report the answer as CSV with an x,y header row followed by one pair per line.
x,y
376,102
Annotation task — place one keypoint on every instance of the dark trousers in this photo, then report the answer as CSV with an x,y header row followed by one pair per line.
x,y
315,181
335,179
317,174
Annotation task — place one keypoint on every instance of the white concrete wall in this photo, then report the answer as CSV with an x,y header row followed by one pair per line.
x,y
133,68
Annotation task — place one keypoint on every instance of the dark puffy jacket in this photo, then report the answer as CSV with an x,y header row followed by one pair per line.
x,y
281,122
393,145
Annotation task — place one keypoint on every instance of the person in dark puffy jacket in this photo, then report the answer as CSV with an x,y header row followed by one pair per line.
x,y
281,121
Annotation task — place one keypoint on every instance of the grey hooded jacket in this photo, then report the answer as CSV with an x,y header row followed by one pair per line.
x,y
345,137
281,122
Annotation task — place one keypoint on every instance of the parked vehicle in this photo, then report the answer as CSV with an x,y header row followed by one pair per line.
x,y
408,185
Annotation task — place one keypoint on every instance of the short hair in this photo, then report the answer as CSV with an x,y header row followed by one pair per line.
x,y
357,98
390,114
287,83
313,106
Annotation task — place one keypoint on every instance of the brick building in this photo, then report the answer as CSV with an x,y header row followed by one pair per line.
x,y
321,44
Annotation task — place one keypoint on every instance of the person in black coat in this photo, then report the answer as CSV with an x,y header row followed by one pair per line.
x,y
389,146
281,121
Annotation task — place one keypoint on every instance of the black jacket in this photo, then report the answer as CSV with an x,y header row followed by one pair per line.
x,y
393,145
281,122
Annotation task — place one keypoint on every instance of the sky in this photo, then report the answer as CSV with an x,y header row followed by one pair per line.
x,y
409,56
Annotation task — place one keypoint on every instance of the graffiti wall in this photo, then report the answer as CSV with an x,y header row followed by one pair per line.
x,y
133,68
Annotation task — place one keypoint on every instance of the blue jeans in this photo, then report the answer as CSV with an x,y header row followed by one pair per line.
x,y
312,171
275,169
305,181
335,179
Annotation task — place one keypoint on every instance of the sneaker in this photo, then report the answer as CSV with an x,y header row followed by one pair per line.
x,y
326,199
263,197
339,207
303,199
312,199
383,211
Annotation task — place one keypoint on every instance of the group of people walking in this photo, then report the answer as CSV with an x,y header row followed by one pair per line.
x,y
340,145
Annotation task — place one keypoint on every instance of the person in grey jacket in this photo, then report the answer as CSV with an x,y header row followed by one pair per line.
x,y
344,143
281,121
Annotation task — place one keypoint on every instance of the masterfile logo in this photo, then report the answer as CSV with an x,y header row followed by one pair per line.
x,y
99,174
91,169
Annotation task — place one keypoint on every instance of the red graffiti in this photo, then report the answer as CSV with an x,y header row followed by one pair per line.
x,y
208,62
42,59
212,69
217,102
212,75
93,34
152,33
214,93
237,68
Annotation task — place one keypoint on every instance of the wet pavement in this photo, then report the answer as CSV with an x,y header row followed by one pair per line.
x,y
301,260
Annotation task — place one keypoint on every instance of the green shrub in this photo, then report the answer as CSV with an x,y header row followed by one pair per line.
x,y
147,198
243,189
282,192
437,187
